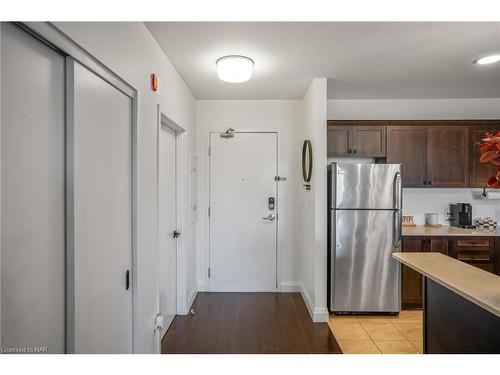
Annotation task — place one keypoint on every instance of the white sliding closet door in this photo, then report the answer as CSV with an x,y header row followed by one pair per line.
x,y
100,139
32,194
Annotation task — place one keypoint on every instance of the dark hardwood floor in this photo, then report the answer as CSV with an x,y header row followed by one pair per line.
x,y
274,323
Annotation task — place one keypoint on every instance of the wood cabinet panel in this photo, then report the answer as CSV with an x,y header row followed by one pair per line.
x,y
438,245
339,141
476,251
369,141
479,172
411,281
447,156
407,145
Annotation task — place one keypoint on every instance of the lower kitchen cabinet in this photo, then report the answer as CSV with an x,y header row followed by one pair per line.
x,y
481,252
411,281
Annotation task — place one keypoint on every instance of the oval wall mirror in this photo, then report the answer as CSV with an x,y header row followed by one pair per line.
x,y
307,161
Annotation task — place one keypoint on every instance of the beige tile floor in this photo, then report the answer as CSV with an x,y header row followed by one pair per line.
x,y
401,334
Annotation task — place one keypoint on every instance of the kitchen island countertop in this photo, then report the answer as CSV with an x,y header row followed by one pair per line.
x,y
478,286
447,230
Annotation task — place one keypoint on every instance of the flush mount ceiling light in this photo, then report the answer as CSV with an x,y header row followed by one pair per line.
x,y
234,68
488,60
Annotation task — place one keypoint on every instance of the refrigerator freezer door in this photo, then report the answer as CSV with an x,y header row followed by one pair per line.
x,y
367,186
365,277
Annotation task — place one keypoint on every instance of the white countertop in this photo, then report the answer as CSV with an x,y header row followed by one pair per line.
x,y
472,283
447,230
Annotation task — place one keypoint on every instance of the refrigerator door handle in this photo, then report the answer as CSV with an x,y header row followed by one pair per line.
x,y
396,191
397,229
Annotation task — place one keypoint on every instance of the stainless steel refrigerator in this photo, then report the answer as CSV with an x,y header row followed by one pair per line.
x,y
364,230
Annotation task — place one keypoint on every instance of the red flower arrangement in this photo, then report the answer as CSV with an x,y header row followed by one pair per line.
x,y
490,153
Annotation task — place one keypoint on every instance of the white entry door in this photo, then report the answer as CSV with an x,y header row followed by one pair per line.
x,y
243,221
100,232
167,192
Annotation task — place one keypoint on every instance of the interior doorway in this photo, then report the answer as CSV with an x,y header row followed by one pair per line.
x,y
168,217
243,211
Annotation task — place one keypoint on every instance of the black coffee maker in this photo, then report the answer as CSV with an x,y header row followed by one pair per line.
x,y
460,215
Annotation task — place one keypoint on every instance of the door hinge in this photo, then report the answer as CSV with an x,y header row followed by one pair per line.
x,y
278,178
209,211
208,150
208,272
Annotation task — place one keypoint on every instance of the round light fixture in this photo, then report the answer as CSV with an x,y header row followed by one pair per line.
x,y
234,68
488,60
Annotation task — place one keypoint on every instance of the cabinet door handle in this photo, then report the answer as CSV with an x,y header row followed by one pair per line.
x,y
354,151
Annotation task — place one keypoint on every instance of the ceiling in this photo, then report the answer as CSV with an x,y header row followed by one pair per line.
x,y
362,60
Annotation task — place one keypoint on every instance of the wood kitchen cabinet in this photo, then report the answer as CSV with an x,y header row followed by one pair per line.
x,y
411,281
479,172
434,153
339,140
476,251
432,156
447,156
438,245
355,141
407,145
481,252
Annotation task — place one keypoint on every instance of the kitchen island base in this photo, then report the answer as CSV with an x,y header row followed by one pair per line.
x,y
454,325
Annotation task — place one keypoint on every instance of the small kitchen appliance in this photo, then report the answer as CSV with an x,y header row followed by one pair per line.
x,y
461,215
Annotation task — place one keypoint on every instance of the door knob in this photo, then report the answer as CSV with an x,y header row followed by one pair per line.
x,y
270,217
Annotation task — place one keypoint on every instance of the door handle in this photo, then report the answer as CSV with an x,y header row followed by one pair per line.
x,y
270,217
396,191
127,280
396,229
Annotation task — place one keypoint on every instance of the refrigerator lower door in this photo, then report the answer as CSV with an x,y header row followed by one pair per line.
x,y
365,276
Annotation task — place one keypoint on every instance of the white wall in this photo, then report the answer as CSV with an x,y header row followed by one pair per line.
x,y
417,202
410,109
282,116
130,51
310,229
302,226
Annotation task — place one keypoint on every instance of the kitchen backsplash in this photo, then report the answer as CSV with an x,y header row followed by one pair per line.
x,y
417,202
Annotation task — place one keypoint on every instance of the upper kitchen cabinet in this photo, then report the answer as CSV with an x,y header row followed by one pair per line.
x,y
355,140
369,141
434,153
339,141
407,145
479,172
447,156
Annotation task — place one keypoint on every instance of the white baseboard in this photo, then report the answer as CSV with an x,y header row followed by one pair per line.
x,y
290,287
202,286
321,315
318,314
191,298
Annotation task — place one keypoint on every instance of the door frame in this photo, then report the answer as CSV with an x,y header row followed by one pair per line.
x,y
54,38
180,285
209,193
